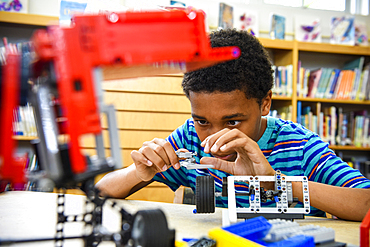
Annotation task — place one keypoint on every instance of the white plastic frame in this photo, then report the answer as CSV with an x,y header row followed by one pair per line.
x,y
255,205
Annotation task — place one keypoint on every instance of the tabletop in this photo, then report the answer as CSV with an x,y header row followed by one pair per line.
x,y
33,215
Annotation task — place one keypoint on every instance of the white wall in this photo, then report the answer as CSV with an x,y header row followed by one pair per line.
x,y
211,7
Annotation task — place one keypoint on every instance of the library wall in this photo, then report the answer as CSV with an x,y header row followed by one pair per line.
x,y
211,7
146,108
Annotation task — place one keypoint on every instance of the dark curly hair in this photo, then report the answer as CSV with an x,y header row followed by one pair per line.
x,y
251,72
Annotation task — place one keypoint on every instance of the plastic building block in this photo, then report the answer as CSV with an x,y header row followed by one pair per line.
x,y
252,229
282,195
282,229
203,242
189,160
227,239
9,99
295,241
364,231
258,232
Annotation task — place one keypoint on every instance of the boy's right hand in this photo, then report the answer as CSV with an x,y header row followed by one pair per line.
x,y
154,156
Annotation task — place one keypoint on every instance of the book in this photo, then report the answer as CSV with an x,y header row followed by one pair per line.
x,y
342,30
307,73
225,19
313,82
307,28
333,124
277,26
299,112
249,21
340,126
356,63
361,36
19,6
365,137
68,8
289,79
348,84
365,83
332,82
323,83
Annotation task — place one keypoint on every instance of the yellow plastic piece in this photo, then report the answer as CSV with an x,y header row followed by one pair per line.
x,y
227,239
181,244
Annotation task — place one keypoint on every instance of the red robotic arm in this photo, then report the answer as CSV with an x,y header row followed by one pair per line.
x,y
130,44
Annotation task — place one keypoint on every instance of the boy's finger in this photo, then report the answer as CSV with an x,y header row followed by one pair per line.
x,y
154,157
139,157
171,156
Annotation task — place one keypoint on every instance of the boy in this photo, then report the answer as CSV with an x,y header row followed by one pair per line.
x,y
229,130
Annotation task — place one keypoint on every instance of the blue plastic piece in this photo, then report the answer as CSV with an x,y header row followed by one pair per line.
x,y
251,229
295,241
194,211
256,229
276,198
189,239
252,197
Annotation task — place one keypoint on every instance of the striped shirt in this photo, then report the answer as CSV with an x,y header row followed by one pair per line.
x,y
289,147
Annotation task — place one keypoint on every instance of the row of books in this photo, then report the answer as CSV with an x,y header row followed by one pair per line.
x,y
283,80
358,163
350,83
24,121
30,163
284,113
335,126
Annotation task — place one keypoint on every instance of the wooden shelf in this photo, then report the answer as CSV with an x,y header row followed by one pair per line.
x,y
351,148
277,44
28,19
330,48
277,97
24,138
334,101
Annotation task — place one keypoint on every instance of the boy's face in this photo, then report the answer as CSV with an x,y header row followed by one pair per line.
x,y
213,112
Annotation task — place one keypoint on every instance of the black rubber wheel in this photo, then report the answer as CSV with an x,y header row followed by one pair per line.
x,y
205,194
150,229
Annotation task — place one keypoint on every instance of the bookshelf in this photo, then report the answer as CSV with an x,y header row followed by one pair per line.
x,y
27,19
24,138
154,117
316,55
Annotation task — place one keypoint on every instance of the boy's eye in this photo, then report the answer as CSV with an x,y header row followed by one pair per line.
x,y
233,123
202,122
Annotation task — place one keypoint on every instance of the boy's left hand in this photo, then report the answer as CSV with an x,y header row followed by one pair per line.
x,y
249,157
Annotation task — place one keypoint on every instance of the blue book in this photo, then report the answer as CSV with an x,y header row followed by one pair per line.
x,y
299,111
277,27
333,84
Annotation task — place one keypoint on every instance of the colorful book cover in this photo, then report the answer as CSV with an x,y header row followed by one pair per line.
x,y
324,82
342,30
361,36
18,6
356,63
332,84
249,21
313,82
299,112
70,8
225,20
365,82
307,28
277,26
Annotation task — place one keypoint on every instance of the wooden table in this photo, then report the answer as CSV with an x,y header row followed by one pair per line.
x,y
33,215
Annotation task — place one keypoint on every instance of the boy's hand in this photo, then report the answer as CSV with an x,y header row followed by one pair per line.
x,y
249,157
154,156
